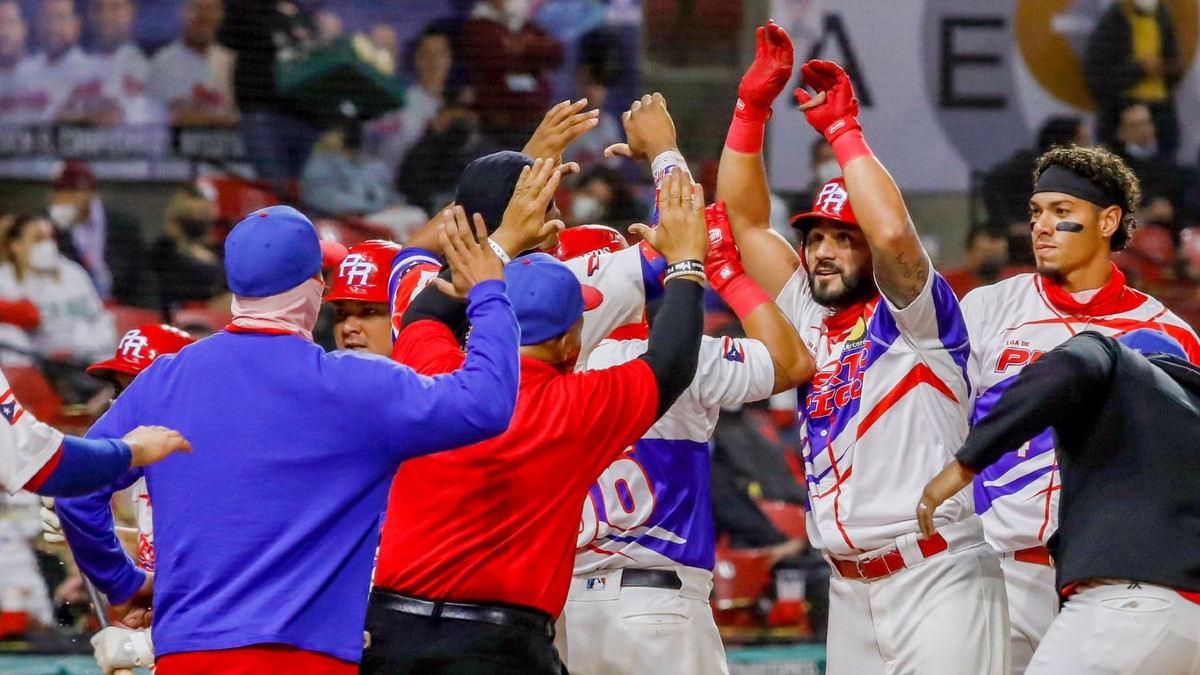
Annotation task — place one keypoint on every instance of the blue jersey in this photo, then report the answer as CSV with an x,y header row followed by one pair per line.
x,y
266,533
653,506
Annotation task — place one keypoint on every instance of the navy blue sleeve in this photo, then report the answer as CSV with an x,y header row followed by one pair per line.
x,y
86,465
468,405
87,523
652,276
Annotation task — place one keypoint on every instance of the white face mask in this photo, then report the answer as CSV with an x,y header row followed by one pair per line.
x,y
1142,151
586,209
1145,6
827,171
63,215
43,256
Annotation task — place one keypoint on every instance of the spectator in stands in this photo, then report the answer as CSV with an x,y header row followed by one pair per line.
x,y
987,258
26,603
186,259
193,76
341,181
1133,55
603,195
42,88
74,324
108,244
1137,143
13,37
389,138
385,37
329,27
453,140
278,138
508,57
598,68
116,91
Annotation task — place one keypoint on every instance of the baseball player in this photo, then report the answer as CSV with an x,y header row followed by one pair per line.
x,y
646,546
359,296
117,647
1080,212
890,402
38,458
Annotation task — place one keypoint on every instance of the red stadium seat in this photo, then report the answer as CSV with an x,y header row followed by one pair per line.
x,y
1150,256
127,318
35,393
349,233
1189,249
787,518
235,197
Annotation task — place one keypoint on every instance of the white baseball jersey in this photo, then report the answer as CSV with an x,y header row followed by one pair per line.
x,y
121,76
1011,323
653,506
143,514
619,278
25,443
180,74
884,414
40,88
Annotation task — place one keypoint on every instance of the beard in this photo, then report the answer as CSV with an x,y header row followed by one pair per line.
x,y
856,286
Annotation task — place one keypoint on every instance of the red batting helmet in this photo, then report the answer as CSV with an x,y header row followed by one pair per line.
x,y
586,239
363,274
138,349
832,202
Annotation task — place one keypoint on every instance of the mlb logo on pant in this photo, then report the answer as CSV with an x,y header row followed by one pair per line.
x,y
597,583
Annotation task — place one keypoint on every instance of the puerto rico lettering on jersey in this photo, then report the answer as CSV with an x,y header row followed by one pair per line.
x,y
1012,323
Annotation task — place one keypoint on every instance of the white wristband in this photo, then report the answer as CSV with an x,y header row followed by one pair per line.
x,y
664,163
500,252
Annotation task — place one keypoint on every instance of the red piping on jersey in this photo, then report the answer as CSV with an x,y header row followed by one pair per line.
x,y
1124,325
838,479
43,474
234,328
920,374
595,549
1050,490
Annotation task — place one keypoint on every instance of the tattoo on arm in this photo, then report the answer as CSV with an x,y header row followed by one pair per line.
x,y
914,273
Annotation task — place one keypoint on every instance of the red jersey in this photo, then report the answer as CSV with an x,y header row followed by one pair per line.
x,y
496,522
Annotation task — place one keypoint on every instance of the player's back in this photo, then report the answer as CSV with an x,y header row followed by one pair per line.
x,y
1011,323
264,532
653,505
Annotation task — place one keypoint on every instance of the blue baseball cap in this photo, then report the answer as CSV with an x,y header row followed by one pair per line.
x,y
487,185
546,297
1147,341
275,249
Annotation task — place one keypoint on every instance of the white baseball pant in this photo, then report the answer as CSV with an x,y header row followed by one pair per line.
x,y
1122,629
1032,606
629,631
942,615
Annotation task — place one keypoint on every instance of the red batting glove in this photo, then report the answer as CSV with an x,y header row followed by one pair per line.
x,y
760,86
837,117
723,267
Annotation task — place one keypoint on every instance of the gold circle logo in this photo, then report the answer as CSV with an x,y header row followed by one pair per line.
x,y
1047,52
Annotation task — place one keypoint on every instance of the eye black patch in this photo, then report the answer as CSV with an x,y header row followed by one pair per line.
x,y
1068,226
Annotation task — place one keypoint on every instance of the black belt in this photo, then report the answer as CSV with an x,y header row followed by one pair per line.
x,y
529,619
650,579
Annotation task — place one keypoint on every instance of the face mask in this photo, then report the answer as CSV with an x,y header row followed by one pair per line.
x,y
826,171
63,215
1142,151
195,228
1145,6
586,209
43,256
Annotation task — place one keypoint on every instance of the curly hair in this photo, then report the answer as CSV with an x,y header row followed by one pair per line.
x,y
1108,172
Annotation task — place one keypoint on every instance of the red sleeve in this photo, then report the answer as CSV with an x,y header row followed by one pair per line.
x,y
412,281
429,348
483,48
542,51
618,405
21,313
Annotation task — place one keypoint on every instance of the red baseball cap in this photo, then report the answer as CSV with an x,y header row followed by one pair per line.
x,y
832,202
138,349
74,175
363,274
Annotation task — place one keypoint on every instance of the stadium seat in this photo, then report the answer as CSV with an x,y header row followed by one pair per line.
x,y
235,197
349,233
787,518
1189,250
1150,256
127,318
35,393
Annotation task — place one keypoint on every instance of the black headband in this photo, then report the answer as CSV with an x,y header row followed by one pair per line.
x,y
1058,178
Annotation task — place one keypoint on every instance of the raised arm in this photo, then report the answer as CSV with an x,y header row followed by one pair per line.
x,y
761,318
901,266
742,176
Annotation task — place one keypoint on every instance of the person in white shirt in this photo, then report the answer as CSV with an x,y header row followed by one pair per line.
x,y
14,35
193,76
389,137
116,92
44,87
74,323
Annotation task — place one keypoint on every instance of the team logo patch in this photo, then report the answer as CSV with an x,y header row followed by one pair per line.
x,y
132,344
597,583
356,270
732,351
9,408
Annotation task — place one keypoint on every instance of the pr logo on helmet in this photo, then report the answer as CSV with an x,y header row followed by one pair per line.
x,y
356,270
832,199
132,344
